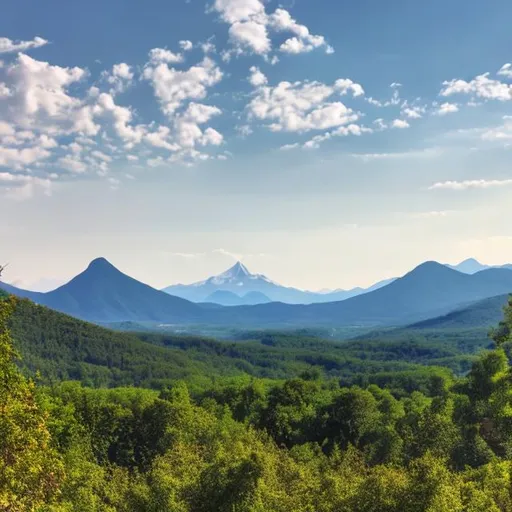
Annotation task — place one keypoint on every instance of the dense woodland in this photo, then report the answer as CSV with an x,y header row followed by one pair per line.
x,y
279,429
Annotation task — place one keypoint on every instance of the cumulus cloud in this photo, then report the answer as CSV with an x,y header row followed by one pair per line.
x,y
186,45
17,159
302,41
251,35
447,108
303,106
120,77
188,131
9,46
413,112
159,55
257,78
172,87
470,184
40,98
400,123
480,87
250,26
506,70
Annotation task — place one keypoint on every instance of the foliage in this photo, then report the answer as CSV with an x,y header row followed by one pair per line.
x,y
251,444
30,469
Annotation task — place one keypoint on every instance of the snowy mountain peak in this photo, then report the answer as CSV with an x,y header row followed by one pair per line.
x,y
236,274
237,270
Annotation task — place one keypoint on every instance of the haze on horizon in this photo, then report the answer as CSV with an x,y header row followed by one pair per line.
x,y
174,142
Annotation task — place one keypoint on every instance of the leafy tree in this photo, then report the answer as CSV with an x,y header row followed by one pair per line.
x,y
30,469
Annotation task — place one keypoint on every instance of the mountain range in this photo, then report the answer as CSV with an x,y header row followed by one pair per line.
x,y
472,266
102,293
238,280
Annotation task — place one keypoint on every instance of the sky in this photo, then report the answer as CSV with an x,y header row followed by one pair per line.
x,y
325,144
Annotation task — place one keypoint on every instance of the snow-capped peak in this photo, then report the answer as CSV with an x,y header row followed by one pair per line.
x,y
237,273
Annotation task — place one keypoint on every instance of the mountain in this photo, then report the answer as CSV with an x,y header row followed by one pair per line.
x,y
429,290
338,295
472,266
483,313
104,294
253,298
226,298
240,281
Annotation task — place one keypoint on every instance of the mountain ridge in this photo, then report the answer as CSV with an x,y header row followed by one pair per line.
x,y
102,293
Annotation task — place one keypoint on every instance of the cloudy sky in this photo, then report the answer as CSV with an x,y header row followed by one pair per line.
x,y
325,144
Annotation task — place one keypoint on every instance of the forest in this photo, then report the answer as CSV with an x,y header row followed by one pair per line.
x,y
280,429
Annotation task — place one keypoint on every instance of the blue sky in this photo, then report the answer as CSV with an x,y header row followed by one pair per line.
x,y
326,144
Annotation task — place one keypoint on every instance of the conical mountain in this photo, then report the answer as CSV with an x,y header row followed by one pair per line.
x,y
102,293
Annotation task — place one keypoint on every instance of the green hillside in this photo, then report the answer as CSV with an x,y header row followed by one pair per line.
x,y
482,314
60,347
250,445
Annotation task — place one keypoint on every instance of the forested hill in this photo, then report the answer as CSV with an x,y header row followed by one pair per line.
x,y
60,347
481,314
251,445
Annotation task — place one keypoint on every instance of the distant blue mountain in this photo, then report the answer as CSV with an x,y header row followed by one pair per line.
x,y
104,294
472,266
430,290
240,281
226,298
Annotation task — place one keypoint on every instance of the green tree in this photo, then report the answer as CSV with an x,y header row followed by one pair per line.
x,y
30,469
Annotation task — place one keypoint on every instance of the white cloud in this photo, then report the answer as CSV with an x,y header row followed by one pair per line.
x,y
341,131
250,24
188,132
481,86
251,35
172,87
4,90
159,55
400,123
413,112
121,118
161,138
506,70
120,77
239,10
302,106
470,184
447,108
122,70
17,159
72,163
302,41
40,100
9,46
186,45
257,78
345,85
